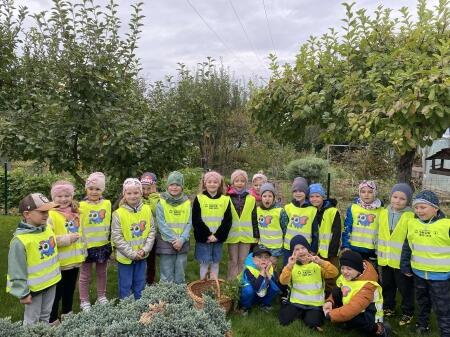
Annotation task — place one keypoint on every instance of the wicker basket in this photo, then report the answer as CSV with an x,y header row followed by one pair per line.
x,y
197,288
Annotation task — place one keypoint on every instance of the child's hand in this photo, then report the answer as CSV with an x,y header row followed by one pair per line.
x,y
177,244
327,307
140,254
316,259
26,300
212,239
74,237
292,260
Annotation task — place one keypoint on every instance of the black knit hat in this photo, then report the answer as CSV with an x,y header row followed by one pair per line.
x,y
299,240
352,259
259,249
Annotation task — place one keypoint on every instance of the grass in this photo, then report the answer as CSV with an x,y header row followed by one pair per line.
x,y
256,324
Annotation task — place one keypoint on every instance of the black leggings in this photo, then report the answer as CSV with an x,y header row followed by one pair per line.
x,y
64,291
311,317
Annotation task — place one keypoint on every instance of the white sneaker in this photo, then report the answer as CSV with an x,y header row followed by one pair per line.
x,y
85,306
102,300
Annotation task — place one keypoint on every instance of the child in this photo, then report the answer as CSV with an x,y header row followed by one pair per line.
x,y
211,219
150,197
357,300
272,220
257,181
427,257
244,229
326,229
391,237
133,236
361,222
33,267
96,222
173,216
301,215
305,274
258,281
65,222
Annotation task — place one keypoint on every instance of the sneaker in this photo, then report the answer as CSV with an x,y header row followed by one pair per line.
x,y
284,300
405,320
384,329
388,312
244,312
85,306
102,300
64,316
266,308
422,330
55,323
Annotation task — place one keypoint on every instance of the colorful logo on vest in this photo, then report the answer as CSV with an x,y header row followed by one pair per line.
x,y
265,221
138,228
72,226
345,291
47,247
299,221
97,217
366,219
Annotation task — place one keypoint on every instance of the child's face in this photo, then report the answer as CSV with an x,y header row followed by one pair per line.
x,y
299,196
174,189
257,183
316,200
64,199
93,193
349,273
262,260
212,185
35,218
301,252
398,200
267,199
132,196
425,212
148,189
366,194
239,183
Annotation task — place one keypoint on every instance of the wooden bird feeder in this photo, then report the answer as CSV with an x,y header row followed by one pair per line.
x,y
437,162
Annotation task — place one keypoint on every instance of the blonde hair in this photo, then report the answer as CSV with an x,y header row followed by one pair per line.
x,y
202,187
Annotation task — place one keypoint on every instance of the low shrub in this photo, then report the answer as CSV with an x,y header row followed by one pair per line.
x,y
312,168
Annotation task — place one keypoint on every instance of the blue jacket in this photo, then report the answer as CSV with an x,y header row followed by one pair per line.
x,y
260,283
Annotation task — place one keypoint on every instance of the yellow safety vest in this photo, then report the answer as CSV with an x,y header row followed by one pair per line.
x,y
177,217
365,227
135,229
325,231
75,252
152,200
241,228
255,272
96,222
42,260
212,210
350,288
307,285
390,245
270,232
430,245
300,222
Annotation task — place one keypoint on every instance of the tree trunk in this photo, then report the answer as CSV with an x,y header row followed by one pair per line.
x,y
404,167
77,177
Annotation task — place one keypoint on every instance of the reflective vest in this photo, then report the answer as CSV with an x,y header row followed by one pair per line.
x,y
430,245
300,222
212,210
241,228
350,288
75,252
96,222
390,244
42,260
307,286
270,233
177,217
325,231
365,227
152,200
135,229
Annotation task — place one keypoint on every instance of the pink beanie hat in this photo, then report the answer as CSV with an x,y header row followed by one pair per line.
x,y
96,179
212,174
131,182
238,173
368,183
260,176
62,186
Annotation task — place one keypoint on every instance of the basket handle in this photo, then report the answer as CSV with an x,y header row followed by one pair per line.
x,y
208,277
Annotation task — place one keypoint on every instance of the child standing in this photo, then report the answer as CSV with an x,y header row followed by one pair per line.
x,y
244,229
427,257
150,197
361,222
391,237
65,222
33,267
133,236
96,223
173,216
257,181
211,219
305,275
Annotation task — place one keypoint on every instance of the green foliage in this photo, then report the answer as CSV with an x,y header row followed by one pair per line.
x,y
312,168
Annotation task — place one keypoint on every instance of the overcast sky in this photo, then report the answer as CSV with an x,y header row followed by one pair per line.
x,y
236,32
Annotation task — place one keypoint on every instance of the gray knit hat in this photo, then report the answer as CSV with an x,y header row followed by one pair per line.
x,y
268,187
176,178
426,197
300,184
405,188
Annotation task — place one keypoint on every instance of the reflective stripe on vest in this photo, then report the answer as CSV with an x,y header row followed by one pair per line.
x,y
135,229
430,245
307,285
41,258
300,222
96,222
325,231
241,228
75,252
212,210
270,232
176,217
365,226
351,288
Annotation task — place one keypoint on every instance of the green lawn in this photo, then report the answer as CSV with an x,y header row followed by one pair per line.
x,y
257,324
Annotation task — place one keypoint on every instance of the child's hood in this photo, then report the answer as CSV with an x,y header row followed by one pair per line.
x,y
406,209
132,209
25,228
369,273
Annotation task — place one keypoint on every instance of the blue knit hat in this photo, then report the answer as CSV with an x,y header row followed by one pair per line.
x,y
317,188
426,197
299,240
